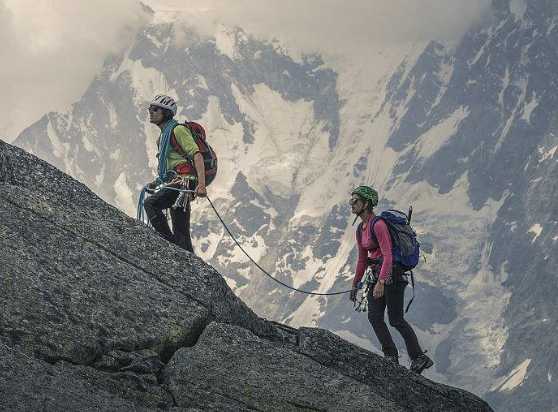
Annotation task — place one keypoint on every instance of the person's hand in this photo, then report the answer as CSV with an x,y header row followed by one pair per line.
x,y
151,186
353,294
176,182
378,290
201,191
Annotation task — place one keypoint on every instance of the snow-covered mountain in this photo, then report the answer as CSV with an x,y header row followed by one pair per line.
x,y
465,133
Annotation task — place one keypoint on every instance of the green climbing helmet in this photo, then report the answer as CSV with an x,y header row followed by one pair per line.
x,y
367,193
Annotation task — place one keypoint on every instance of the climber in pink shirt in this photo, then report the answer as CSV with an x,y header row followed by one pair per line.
x,y
388,281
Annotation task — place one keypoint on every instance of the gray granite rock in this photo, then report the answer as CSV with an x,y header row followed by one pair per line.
x,y
232,369
99,313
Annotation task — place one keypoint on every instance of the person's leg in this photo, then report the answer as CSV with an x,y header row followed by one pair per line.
x,y
376,309
154,206
181,227
394,295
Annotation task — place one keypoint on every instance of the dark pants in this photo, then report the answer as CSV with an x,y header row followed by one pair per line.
x,y
393,299
154,206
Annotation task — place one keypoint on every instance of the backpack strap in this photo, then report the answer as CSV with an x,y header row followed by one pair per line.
x,y
372,224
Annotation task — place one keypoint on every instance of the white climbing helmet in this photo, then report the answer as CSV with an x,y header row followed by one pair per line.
x,y
166,102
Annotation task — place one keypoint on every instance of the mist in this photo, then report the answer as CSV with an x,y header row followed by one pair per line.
x,y
335,25
52,49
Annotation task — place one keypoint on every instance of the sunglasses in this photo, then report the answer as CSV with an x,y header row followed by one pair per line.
x,y
352,202
154,109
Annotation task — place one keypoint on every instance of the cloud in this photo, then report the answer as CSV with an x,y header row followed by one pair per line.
x,y
335,25
51,49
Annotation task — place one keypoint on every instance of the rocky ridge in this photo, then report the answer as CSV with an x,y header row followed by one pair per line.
x,y
100,313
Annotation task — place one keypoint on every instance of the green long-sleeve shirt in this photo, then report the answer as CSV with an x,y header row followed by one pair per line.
x,y
186,141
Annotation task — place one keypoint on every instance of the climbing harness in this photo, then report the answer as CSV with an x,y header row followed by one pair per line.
x,y
362,304
182,201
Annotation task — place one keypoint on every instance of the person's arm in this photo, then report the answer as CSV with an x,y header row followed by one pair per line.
x,y
384,242
361,263
200,171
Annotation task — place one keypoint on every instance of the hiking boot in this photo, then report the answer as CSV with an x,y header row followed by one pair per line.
x,y
162,228
421,363
392,358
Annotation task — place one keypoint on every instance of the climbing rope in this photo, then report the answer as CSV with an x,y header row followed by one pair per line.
x,y
265,272
141,217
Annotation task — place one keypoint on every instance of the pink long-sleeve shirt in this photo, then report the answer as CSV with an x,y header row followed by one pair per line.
x,y
367,247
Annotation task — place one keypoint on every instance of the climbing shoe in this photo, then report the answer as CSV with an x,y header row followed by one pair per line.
x,y
421,363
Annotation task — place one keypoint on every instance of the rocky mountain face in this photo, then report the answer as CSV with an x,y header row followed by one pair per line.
x,y
465,133
99,313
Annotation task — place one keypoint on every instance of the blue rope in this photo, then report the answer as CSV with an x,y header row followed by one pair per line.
x,y
164,147
140,212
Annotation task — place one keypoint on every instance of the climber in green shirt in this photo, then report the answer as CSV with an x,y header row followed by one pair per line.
x,y
184,159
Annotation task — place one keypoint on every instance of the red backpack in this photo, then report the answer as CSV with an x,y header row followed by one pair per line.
x,y
209,156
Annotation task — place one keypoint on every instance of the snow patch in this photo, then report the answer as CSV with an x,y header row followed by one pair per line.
x,y
115,155
279,127
505,83
549,154
226,139
489,331
146,82
230,282
506,129
60,149
99,179
87,145
255,247
518,8
124,195
529,107
212,241
516,377
461,241
444,75
225,43
156,42
536,229
431,141
202,82
113,117
479,53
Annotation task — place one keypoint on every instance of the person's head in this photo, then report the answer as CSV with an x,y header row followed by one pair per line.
x,y
161,109
363,199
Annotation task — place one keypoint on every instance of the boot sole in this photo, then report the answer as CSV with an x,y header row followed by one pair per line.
x,y
426,366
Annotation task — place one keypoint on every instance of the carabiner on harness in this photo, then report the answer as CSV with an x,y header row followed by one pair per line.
x,y
362,304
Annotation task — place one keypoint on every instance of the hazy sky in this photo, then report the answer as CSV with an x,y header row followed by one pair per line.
x,y
51,49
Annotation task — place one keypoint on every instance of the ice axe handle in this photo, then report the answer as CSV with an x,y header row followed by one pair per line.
x,y
410,214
